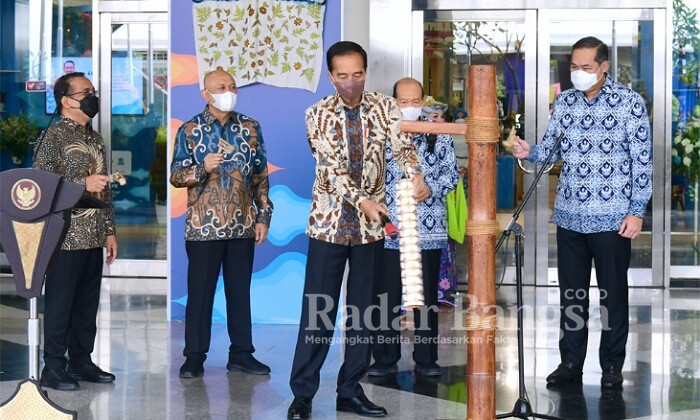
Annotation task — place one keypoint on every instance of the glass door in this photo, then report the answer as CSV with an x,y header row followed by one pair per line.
x,y
636,43
133,119
454,40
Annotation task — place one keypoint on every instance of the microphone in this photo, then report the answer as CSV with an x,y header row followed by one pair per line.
x,y
389,228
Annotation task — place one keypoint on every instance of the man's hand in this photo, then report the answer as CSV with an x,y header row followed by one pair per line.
x,y
213,161
372,209
521,149
631,227
96,183
421,192
260,233
111,245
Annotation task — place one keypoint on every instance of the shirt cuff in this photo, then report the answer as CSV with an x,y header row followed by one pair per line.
x,y
638,208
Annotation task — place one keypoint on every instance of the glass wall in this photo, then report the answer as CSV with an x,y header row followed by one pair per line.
x,y
41,40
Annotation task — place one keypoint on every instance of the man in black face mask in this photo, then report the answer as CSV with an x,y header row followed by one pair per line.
x,y
72,149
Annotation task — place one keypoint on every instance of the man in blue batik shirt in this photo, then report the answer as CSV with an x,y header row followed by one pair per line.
x,y
219,156
604,187
439,167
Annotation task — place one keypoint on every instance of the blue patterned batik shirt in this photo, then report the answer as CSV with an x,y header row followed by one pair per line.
x,y
439,167
606,158
229,201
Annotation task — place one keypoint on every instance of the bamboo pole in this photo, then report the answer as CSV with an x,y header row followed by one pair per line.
x,y
482,133
482,228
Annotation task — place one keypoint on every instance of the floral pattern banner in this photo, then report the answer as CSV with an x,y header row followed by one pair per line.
x,y
276,42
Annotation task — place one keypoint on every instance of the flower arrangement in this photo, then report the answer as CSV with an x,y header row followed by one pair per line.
x,y
685,152
16,133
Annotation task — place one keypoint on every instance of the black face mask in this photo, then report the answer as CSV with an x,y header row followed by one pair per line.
x,y
90,105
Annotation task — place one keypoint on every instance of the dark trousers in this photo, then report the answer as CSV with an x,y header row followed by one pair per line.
x,y
611,254
205,260
387,344
71,299
324,277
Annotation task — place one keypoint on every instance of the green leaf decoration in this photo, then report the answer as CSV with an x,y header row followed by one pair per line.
x,y
203,49
314,11
238,14
242,63
314,46
217,55
203,14
286,68
308,73
219,35
274,59
298,31
202,38
277,11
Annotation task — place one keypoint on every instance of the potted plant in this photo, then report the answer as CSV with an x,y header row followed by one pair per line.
x,y
16,132
685,151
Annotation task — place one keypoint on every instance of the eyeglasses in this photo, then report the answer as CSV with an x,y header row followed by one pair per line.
x,y
85,92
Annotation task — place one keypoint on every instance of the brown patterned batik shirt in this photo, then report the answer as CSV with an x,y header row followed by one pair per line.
x,y
336,181
227,203
75,152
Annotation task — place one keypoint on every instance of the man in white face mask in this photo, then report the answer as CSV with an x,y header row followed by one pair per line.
x,y
604,188
220,157
439,167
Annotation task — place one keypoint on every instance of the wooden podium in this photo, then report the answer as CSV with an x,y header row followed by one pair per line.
x,y
35,209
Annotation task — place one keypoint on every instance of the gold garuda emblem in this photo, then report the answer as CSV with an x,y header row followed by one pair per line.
x,y
26,194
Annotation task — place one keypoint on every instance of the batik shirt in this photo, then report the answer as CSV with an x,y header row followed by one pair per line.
x,y
75,152
229,201
326,129
606,158
441,175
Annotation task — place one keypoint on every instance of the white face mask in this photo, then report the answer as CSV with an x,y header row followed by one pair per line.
x,y
224,101
410,113
583,80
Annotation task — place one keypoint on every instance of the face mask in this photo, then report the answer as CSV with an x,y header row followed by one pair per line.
x,y
224,101
90,105
350,90
410,113
583,80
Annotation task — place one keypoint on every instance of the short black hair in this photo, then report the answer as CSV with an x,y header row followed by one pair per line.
x,y
69,61
62,87
344,48
406,79
601,53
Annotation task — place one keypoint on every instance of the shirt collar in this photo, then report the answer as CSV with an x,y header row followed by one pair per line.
x,y
74,125
340,106
209,118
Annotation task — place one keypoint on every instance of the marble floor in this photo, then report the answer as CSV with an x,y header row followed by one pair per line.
x,y
662,370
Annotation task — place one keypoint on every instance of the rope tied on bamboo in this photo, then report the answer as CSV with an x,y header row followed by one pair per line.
x,y
482,227
482,130
475,322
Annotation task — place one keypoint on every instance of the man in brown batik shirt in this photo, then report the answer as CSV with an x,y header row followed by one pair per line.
x,y
72,149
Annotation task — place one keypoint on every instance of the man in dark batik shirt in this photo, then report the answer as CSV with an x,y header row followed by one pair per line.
x,y
219,156
72,149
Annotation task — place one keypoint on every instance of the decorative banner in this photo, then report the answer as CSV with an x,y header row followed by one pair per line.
x,y
276,42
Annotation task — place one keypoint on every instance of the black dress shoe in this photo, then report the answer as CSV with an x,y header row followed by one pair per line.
x,y
430,369
563,375
382,369
246,363
359,405
89,372
300,408
192,368
612,378
58,379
